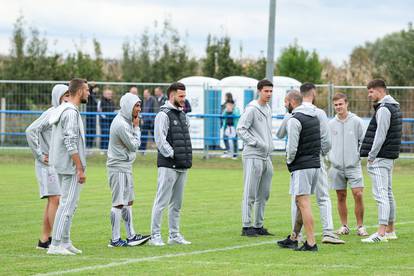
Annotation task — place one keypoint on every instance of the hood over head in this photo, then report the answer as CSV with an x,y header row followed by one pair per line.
x,y
57,92
127,103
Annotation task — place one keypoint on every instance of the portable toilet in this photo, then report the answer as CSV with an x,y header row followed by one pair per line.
x,y
204,96
243,90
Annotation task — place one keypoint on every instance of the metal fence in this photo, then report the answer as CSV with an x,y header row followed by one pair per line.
x,y
21,102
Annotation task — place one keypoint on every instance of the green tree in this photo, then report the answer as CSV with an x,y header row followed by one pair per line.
x,y
299,63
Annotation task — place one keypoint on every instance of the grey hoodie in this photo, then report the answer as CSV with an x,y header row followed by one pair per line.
x,y
323,120
346,139
383,117
124,138
39,133
68,138
294,128
255,129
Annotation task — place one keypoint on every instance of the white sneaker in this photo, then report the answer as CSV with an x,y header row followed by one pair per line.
x,y
361,231
58,250
374,238
391,236
177,239
343,230
71,248
156,240
331,238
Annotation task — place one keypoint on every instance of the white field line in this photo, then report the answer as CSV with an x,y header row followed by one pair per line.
x,y
198,252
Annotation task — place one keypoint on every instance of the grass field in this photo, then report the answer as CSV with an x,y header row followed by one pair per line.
x,y
210,219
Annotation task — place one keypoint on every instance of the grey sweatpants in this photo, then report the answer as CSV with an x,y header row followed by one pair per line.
x,y
323,200
70,189
169,192
380,172
257,183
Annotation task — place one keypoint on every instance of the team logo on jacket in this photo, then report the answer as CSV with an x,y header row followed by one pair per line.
x,y
175,122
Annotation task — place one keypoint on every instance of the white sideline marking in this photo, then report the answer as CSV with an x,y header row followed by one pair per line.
x,y
155,258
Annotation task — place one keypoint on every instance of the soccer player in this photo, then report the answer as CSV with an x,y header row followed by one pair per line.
x,y
38,136
255,129
68,156
382,146
174,159
347,131
124,141
308,91
303,160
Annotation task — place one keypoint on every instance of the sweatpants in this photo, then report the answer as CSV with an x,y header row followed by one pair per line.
x,y
257,183
169,192
380,172
322,198
70,189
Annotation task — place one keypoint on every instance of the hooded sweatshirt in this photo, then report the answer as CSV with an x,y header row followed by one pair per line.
x,y
39,133
124,138
293,128
346,137
255,129
68,138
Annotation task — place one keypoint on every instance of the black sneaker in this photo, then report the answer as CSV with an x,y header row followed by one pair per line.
x,y
138,239
249,232
43,245
307,247
262,232
288,243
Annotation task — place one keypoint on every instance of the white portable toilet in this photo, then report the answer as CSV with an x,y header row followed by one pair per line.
x,y
280,86
243,90
195,90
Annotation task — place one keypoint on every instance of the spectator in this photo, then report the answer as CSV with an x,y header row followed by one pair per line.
x,y
133,90
149,106
229,129
106,105
187,106
160,97
91,106
228,97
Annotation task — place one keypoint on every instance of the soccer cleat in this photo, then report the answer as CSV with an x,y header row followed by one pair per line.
x,y
361,231
43,245
391,236
262,232
118,243
307,247
332,239
288,243
156,240
177,239
71,248
138,239
58,250
374,238
249,232
343,230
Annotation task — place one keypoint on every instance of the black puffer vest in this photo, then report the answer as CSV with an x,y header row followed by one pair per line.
x,y
391,147
178,137
309,147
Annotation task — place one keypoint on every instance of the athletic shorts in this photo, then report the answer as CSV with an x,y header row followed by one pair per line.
x,y
339,179
122,187
47,179
303,182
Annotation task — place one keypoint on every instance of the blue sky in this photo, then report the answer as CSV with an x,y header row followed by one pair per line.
x,y
333,28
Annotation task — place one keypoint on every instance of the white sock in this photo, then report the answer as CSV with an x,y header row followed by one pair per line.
x,y
127,216
116,223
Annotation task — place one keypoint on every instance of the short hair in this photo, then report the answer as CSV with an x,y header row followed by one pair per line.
x,y
377,83
306,87
75,85
264,83
339,96
230,102
174,87
294,95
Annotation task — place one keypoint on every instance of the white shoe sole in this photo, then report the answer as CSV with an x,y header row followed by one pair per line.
x,y
331,240
174,242
141,241
67,253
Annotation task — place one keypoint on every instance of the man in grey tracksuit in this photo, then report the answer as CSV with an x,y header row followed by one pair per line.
x,y
308,91
124,141
347,131
67,155
38,136
255,129
173,141
382,146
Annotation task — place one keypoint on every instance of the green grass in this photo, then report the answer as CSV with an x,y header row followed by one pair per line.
x,y
210,219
